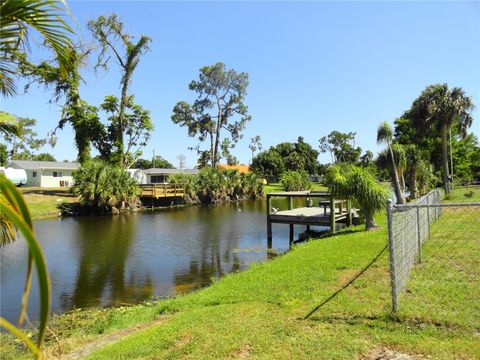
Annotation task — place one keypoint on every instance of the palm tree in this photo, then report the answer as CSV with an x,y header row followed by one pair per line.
x,y
353,182
437,109
385,135
18,16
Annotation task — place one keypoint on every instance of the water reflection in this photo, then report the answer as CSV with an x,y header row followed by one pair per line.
x,y
103,256
105,261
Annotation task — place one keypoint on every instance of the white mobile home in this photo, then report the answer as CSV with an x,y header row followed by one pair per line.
x,y
48,174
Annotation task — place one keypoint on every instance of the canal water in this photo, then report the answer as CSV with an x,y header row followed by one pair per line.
x,y
103,261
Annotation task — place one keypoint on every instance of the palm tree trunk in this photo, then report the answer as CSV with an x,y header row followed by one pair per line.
x,y
369,221
396,181
446,185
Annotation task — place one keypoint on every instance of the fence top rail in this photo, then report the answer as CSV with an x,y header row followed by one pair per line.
x,y
406,207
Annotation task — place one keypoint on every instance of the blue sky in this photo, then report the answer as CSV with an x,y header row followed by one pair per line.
x,y
313,67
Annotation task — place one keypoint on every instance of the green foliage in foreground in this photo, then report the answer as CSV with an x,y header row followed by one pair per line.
x,y
295,181
103,186
259,312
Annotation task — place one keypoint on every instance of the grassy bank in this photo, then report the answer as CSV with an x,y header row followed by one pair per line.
x,y
260,312
277,187
43,202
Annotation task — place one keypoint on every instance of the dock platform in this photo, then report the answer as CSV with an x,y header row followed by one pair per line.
x,y
315,213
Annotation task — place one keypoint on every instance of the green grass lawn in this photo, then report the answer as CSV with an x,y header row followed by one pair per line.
x,y
465,194
260,312
43,202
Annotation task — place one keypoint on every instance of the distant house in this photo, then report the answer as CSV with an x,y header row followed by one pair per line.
x,y
161,176
243,169
48,174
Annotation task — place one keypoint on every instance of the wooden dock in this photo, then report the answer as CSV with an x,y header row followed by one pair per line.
x,y
158,191
318,210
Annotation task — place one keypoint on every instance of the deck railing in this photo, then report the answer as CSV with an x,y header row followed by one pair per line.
x,y
162,190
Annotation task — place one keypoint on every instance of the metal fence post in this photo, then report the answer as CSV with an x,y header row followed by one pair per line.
x,y
419,239
393,260
428,215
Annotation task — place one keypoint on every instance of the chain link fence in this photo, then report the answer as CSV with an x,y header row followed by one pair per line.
x,y
435,260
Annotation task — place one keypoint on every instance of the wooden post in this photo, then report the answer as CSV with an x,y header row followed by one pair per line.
x,y
290,207
332,214
269,223
349,215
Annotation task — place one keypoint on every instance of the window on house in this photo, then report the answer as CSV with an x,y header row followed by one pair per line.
x,y
57,174
158,179
34,174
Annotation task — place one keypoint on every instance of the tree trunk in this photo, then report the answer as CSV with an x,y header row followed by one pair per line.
x,y
217,135
212,148
369,221
446,185
121,116
396,181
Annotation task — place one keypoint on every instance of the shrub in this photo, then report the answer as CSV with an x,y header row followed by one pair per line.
x,y
469,194
213,186
104,187
295,181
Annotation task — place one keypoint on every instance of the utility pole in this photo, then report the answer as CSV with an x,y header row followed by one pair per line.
x,y
153,159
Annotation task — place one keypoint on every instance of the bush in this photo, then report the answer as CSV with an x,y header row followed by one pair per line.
x,y
295,181
469,194
213,186
104,187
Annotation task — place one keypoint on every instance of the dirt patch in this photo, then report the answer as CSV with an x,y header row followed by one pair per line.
x,y
388,354
243,353
99,343
182,342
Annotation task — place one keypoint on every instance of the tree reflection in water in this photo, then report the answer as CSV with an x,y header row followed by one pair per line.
x,y
101,278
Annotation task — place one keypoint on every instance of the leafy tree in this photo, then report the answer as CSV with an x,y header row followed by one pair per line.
x,y
341,147
352,182
117,44
219,106
25,138
137,127
47,17
466,156
436,111
385,135
159,162
255,144
299,156
366,160
268,164
81,116
44,157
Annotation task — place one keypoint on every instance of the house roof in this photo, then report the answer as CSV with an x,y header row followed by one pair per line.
x,y
240,167
32,165
154,171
